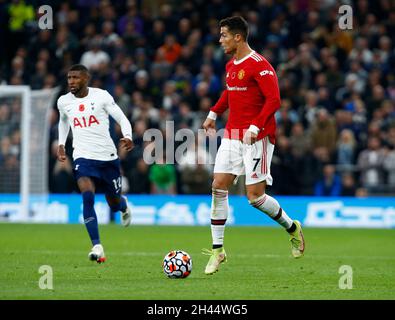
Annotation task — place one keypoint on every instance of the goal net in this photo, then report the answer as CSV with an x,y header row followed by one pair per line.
x,y
24,130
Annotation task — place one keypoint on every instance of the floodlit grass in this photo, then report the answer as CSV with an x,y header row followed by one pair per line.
x,y
259,264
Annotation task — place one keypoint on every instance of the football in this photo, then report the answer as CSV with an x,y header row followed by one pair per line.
x,y
177,264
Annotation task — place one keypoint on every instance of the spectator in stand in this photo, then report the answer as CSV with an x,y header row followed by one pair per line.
x,y
281,167
10,175
330,183
138,178
62,177
37,79
370,163
131,17
310,109
162,177
95,58
196,180
207,75
323,132
348,73
4,120
170,50
389,166
345,148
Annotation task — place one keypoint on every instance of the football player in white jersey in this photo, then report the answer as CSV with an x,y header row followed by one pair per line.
x,y
96,165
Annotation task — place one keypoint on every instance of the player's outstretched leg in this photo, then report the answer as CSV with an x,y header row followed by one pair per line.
x,y
120,203
90,220
271,207
219,214
97,254
126,214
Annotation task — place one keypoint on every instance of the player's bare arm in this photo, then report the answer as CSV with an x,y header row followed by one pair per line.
x,y
61,153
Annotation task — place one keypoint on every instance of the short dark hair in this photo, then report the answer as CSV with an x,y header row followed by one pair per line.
x,y
235,25
79,67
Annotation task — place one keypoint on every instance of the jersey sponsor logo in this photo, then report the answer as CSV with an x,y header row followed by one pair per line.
x,y
81,107
241,74
265,72
236,88
83,122
254,176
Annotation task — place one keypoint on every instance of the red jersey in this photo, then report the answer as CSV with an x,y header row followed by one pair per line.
x,y
252,96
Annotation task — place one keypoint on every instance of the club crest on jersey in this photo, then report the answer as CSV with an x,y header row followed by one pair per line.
x,y
83,122
81,107
241,74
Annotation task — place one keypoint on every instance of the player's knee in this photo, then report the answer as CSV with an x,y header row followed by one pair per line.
x,y
253,195
218,184
88,198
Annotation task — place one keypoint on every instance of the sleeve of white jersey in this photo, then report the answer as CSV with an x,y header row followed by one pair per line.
x,y
115,111
64,126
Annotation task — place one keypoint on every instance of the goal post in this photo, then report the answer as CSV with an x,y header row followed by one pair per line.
x,y
30,111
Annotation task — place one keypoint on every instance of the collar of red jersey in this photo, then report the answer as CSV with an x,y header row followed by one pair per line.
x,y
244,59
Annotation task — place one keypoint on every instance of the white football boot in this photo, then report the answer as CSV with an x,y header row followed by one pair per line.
x,y
126,216
97,254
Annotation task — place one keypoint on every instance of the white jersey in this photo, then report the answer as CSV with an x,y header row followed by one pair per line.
x,y
88,118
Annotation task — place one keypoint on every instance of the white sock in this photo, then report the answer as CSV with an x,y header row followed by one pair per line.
x,y
217,233
219,214
271,207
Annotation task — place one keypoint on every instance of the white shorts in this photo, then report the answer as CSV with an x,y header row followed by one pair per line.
x,y
253,161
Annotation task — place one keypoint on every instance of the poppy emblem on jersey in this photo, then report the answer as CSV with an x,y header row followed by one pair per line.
x,y
82,107
233,75
241,74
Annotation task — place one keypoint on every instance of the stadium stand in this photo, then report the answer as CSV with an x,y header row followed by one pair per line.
x,y
161,61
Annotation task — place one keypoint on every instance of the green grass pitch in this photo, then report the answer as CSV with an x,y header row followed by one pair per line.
x,y
259,264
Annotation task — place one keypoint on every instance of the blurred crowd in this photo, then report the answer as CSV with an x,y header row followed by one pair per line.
x,y
161,61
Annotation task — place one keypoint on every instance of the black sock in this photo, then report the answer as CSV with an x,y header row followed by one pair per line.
x,y
292,228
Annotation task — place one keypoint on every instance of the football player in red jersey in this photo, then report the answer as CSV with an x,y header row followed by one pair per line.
x,y
252,97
